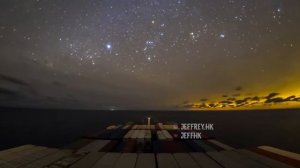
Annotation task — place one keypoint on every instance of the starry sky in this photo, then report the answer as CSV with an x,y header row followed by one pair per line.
x,y
150,54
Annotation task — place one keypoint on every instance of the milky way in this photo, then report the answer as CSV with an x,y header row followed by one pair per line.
x,y
148,54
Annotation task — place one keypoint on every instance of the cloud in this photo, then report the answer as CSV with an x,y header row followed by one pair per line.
x,y
238,88
203,105
247,101
188,105
275,100
14,91
271,95
281,99
226,102
211,104
243,101
290,98
8,92
240,101
13,80
9,95
255,98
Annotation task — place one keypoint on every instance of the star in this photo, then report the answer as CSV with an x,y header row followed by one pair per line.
x,y
108,46
222,35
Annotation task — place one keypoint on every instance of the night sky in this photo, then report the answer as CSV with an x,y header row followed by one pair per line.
x,y
150,54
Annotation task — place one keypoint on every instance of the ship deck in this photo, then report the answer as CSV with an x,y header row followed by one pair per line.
x,y
146,146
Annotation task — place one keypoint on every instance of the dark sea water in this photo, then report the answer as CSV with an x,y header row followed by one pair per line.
x,y
56,128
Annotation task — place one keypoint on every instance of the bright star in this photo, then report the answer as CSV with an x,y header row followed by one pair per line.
x,y
108,46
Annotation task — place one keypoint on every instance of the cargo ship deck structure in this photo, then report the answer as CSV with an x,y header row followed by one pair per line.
x,y
136,145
